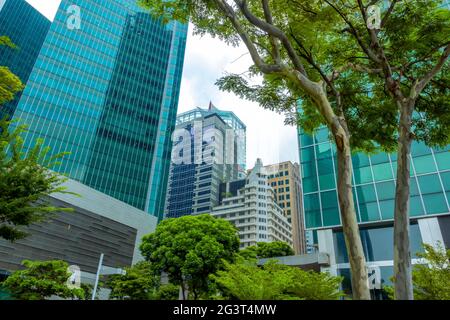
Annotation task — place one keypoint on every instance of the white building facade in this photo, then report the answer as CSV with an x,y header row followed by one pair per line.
x,y
253,210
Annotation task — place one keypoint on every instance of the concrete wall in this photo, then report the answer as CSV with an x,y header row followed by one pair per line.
x,y
99,224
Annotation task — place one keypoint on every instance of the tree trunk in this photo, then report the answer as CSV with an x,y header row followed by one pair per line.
x,y
183,293
402,254
338,127
360,284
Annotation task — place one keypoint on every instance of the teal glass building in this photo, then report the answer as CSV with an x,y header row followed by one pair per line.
x,y
106,90
26,28
374,193
373,181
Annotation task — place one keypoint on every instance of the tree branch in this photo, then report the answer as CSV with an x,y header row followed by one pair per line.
x,y
231,15
273,31
422,83
354,32
388,13
273,41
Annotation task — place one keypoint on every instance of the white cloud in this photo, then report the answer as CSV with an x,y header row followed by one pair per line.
x,y
206,60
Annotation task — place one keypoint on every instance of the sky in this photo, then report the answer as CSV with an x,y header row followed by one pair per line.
x,y
206,60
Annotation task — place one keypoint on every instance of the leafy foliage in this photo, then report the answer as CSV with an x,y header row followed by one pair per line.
x,y
319,32
6,41
167,292
363,84
139,283
25,181
41,280
10,84
432,280
267,250
190,248
246,281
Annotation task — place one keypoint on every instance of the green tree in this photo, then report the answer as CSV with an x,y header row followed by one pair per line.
x,y
167,292
10,84
267,250
25,182
41,280
363,83
189,249
272,281
88,289
139,283
432,280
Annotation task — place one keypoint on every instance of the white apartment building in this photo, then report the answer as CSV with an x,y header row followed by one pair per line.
x,y
250,205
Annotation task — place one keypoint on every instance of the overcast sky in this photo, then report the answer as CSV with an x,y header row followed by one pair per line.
x,y
206,60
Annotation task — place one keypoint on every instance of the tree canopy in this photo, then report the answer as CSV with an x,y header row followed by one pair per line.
x,y
25,182
41,280
267,250
375,86
432,279
139,283
247,281
190,248
329,42
10,84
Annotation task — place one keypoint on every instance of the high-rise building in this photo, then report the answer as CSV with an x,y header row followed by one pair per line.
x,y
285,180
250,204
374,194
27,29
239,128
205,154
105,88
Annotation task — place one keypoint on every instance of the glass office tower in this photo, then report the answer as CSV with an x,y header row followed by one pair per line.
x,y
374,194
106,90
240,130
373,180
194,185
27,29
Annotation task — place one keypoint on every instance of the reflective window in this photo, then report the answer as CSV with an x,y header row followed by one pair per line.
x,y
429,183
330,208
415,206
443,160
382,171
435,203
312,211
424,164
377,243
386,190
363,175
326,174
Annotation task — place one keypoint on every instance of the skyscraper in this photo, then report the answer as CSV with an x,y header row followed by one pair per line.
x,y
206,153
105,88
284,179
374,194
250,204
27,29
239,128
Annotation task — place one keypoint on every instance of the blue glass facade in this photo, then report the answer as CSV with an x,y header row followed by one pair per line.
x,y
107,92
374,182
27,29
233,122
194,186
